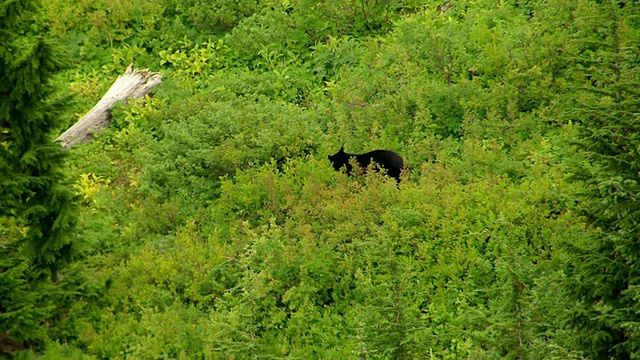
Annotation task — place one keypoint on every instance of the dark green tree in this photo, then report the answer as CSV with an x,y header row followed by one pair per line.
x,y
32,182
604,272
37,207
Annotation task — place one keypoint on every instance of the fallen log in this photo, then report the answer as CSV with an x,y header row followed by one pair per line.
x,y
132,84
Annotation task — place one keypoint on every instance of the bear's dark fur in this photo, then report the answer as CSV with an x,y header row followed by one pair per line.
x,y
386,159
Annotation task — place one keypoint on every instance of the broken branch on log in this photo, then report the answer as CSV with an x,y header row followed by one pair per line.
x,y
132,84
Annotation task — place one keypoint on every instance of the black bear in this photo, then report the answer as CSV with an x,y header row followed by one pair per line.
x,y
385,159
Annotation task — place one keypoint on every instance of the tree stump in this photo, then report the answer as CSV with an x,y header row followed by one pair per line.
x,y
132,84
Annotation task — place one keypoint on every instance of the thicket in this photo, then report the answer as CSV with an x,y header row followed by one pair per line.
x,y
211,224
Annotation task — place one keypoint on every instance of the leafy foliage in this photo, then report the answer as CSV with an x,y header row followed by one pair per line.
x,y
213,226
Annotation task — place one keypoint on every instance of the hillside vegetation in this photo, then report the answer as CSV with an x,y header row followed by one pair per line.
x,y
210,224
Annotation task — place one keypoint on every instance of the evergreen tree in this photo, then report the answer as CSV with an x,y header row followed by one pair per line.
x,y
37,208
605,271
32,185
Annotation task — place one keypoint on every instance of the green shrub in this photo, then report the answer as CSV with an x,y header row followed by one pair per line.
x,y
211,139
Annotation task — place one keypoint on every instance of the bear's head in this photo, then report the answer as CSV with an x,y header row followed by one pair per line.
x,y
339,159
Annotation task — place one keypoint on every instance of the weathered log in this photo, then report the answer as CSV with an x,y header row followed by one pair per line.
x,y
132,84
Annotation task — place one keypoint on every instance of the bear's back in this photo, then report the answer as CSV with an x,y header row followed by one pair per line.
x,y
386,159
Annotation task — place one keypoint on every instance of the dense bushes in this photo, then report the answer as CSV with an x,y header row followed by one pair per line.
x,y
302,262
213,226
202,140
